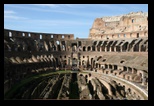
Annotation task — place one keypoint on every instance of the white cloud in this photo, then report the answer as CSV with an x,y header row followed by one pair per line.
x,y
9,12
13,17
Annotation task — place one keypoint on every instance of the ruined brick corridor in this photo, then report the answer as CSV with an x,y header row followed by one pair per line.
x,y
116,47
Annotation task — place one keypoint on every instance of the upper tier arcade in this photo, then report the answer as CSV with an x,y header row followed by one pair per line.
x,y
132,25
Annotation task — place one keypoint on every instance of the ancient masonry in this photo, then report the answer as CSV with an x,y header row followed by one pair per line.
x,y
112,63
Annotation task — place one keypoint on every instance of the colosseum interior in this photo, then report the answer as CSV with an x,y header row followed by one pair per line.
x,y
111,64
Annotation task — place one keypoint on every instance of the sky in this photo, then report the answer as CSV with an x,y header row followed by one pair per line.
x,y
74,19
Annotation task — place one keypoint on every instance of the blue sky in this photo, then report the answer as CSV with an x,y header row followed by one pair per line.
x,y
74,19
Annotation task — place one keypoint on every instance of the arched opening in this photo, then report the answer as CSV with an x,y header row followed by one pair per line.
x,y
106,66
106,72
79,43
103,60
40,36
68,36
63,36
57,42
122,61
118,48
83,63
132,20
84,48
29,35
143,48
136,48
129,70
51,36
134,71
23,34
96,65
130,35
124,47
63,48
137,35
112,36
98,48
107,36
140,74
129,90
128,77
124,35
10,34
93,48
54,47
124,76
89,48
115,67
110,66
125,68
118,35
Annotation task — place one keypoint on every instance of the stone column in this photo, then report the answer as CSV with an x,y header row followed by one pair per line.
x,y
100,48
115,49
85,48
105,48
120,48
91,49
139,48
95,48
110,49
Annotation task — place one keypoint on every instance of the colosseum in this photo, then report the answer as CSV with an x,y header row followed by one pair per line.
x,y
111,64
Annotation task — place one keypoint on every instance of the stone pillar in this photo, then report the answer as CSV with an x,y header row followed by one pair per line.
x,y
120,48
85,48
100,49
95,48
115,49
105,48
110,49
132,49
139,48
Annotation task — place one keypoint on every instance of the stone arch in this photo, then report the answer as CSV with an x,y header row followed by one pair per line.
x,y
125,47
125,68
129,69
84,48
93,48
89,48
143,48
110,66
129,90
115,67
106,66
137,35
